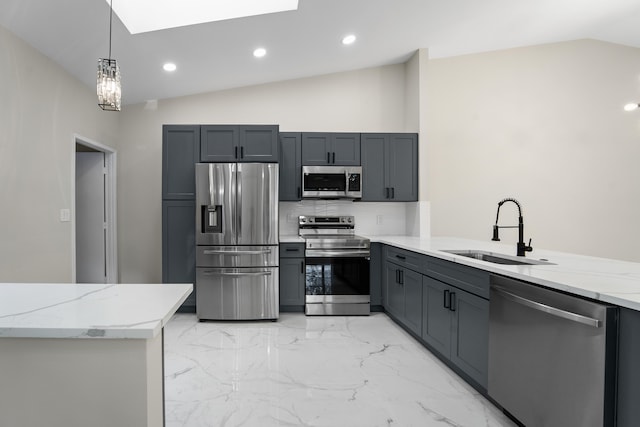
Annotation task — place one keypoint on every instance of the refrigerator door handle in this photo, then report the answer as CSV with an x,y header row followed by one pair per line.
x,y
236,253
240,274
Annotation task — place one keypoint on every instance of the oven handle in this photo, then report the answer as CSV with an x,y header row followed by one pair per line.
x,y
568,315
328,253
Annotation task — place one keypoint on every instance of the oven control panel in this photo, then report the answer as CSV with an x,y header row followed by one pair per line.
x,y
326,220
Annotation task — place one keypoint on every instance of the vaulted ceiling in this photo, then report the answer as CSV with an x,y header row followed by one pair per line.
x,y
305,42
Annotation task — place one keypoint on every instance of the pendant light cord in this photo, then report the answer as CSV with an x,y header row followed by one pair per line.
x,y
110,23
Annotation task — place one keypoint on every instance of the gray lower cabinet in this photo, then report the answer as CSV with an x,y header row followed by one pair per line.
x,y
455,323
179,245
375,277
404,296
390,167
292,277
290,166
239,143
628,410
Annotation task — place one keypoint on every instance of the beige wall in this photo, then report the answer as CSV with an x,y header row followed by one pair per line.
x,y
370,100
41,108
545,125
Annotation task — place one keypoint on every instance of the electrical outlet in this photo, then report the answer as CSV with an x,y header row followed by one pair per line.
x,y
379,219
65,215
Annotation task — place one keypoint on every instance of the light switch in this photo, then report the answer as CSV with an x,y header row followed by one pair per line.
x,y
65,215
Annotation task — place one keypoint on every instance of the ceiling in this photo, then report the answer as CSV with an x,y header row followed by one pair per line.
x,y
306,42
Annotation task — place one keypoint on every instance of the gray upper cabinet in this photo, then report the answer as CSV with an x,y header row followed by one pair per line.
x,y
180,152
328,148
390,167
239,143
290,166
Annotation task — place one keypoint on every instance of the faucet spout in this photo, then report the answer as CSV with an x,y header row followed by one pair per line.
x,y
521,248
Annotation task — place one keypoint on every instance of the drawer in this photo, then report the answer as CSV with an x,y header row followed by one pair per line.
x,y
411,260
291,250
467,278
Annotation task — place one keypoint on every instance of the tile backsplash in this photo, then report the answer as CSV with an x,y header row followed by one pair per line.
x,y
372,218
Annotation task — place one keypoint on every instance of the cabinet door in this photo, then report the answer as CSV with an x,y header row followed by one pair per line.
x,y
412,283
258,143
290,166
375,278
180,152
436,317
292,275
395,291
345,149
402,167
179,244
219,143
316,149
373,165
470,341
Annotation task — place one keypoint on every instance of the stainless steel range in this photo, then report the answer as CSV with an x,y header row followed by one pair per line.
x,y
337,266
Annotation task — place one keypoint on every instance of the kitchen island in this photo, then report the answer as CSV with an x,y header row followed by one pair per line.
x,y
84,354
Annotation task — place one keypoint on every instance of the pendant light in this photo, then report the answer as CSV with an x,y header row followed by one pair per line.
x,y
108,88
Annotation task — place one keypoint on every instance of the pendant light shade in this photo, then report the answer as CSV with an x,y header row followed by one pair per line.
x,y
108,86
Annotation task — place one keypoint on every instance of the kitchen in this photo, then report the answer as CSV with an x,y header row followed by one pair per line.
x,y
491,124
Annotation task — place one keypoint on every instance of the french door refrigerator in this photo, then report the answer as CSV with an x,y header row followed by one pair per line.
x,y
237,241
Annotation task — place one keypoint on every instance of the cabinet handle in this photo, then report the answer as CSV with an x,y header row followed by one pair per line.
x,y
236,152
334,157
393,192
452,301
301,267
328,157
242,152
299,192
402,277
386,192
291,250
446,302
402,257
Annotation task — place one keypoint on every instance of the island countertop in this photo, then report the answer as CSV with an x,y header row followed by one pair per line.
x,y
607,280
89,311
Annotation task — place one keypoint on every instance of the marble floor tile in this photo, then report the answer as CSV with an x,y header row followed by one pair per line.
x,y
312,371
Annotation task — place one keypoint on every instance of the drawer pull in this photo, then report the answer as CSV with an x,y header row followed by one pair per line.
x,y
402,257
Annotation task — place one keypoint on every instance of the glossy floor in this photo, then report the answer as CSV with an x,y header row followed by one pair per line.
x,y
312,371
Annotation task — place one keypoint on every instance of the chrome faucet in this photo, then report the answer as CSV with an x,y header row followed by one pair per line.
x,y
522,248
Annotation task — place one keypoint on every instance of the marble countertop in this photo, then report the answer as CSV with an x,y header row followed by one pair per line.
x,y
63,310
608,280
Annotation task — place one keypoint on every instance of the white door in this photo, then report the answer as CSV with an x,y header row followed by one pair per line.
x,y
91,265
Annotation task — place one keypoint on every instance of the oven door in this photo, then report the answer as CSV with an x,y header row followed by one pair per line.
x,y
337,285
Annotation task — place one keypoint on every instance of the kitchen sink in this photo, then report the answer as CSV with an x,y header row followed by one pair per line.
x,y
497,258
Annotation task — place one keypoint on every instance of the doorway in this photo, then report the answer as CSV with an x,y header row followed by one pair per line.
x,y
94,211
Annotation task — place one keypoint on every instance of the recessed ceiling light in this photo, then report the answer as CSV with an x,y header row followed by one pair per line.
x,y
140,16
350,39
259,52
631,107
169,66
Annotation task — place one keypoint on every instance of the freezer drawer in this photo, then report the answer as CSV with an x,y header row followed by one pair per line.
x,y
237,293
237,256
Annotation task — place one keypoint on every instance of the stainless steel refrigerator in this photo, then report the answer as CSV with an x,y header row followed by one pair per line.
x,y
237,241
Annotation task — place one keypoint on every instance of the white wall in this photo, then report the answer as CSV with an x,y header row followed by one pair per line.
x,y
545,125
41,108
370,100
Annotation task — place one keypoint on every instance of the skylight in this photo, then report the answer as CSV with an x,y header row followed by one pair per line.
x,y
140,16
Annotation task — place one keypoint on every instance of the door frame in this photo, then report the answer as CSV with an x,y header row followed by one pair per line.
x,y
111,253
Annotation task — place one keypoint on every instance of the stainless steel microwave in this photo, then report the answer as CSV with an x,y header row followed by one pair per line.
x,y
332,182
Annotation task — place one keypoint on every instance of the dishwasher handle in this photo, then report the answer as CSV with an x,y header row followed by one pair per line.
x,y
568,315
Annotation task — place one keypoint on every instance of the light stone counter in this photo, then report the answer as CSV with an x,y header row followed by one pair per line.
x,y
84,354
608,280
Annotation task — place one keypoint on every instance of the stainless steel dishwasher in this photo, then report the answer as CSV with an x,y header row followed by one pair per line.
x,y
552,356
